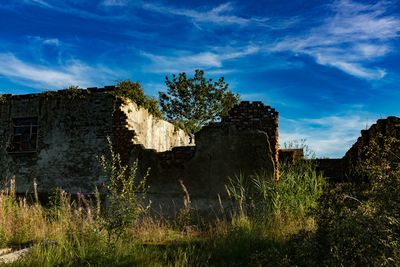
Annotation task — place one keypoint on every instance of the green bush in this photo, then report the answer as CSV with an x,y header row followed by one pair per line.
x,y
125,195
359,223
134,91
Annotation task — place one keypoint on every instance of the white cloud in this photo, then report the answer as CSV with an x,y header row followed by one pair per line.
x,y
351,68
73,73
69,8
221,14
38,2
369,51
329,136
44,41
357,34
184,60
51,41
363,21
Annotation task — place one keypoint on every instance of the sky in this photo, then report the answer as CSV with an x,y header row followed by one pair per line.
x,y
330,68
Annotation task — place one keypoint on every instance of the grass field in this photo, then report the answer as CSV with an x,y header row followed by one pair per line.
x,y
298,221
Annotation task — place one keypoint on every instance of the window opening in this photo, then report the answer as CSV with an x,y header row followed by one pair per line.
x,y
25,134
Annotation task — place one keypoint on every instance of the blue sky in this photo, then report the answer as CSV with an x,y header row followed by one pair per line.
x,y
331,68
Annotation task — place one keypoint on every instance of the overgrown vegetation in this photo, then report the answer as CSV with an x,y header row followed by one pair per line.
x,y
359,222
134,92
125,195
3,98
296,192
297,221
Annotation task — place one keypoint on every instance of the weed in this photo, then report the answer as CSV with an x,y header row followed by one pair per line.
x,y
296,192
125,197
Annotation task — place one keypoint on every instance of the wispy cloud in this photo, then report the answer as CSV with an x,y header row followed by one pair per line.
x,y
39,76
38,2
44,41
184,60
45,50
51,41
350,40
329,136
221,14
73,9
115,2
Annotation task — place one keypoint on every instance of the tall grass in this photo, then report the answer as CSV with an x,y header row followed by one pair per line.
x,y
270,214
296,192
73,233
18,219
355,225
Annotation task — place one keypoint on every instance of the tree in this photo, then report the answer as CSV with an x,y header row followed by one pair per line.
x,y
193,102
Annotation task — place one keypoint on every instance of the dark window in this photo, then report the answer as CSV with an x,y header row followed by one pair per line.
x,y
25,133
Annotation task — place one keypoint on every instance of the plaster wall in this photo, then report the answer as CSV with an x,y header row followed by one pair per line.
x,y
152,132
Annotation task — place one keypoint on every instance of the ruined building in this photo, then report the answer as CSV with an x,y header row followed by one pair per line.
x,y
378,132
243,143
55,137
341,169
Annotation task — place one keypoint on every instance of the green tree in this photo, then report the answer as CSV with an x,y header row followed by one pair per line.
x,y
193,102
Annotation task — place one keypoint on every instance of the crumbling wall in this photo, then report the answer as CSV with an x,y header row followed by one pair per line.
x,y
290,154
383,128
73,126
256,116
339,170
243,143
150,131
72,131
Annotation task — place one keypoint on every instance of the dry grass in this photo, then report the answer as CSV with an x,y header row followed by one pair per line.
x,y
77,227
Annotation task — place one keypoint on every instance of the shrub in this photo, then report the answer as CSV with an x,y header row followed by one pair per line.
x,y
125,196
134,92
359,223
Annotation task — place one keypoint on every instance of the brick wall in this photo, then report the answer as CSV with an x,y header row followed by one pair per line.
x,y
244,116
383,128
255,115
177,157
290,154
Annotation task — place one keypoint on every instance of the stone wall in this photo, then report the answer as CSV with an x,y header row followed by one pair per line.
x,y
73,126
243,143
135,125
72,129
383,128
